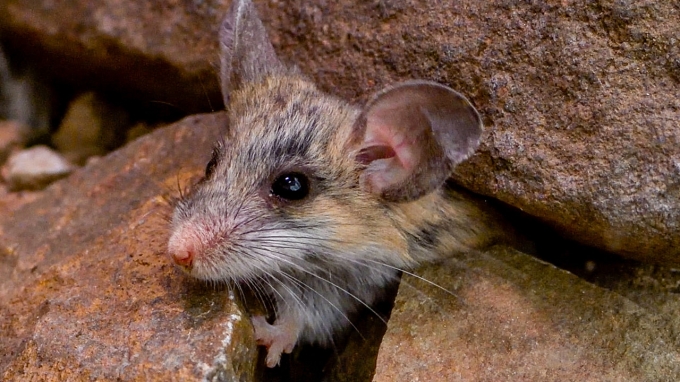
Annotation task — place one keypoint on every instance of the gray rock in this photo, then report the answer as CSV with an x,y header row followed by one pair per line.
x,y
25,96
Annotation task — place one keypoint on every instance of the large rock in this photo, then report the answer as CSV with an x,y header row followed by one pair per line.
x,y
510,317
86,289
159,50
580,98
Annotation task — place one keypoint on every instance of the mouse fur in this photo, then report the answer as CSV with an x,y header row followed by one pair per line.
x,y
369,210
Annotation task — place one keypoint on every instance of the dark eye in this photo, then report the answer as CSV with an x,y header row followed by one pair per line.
x,y
291,186
210,167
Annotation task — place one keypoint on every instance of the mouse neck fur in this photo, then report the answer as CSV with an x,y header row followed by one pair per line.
x,y
443,223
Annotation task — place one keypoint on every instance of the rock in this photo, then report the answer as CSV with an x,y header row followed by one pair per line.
x,y
91,127
35,168
139,129
87,290
162,51
579,98
12,136
12,201
507,316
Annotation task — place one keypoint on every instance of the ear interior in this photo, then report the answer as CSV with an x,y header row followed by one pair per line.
x,y
412,135
247,54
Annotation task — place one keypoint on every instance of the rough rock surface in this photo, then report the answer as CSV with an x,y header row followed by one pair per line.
x,y
516,318
86,289
34,168
580,97
12,136
580,100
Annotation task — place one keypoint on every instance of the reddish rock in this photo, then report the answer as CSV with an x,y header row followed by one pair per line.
x,y
510,317
12,136
579,98
86,288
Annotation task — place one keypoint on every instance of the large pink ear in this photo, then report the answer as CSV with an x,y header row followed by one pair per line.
x,y
247,54
410,136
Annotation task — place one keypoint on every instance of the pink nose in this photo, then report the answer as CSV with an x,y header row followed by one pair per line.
x,y
183,257
182,247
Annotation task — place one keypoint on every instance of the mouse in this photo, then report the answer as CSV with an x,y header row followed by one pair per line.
x,y
318,203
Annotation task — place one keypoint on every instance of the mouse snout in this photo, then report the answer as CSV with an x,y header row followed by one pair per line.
x,y
183,257
183,247
182,253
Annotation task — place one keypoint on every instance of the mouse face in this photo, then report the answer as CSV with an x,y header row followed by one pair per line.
x,y
312,201
281,190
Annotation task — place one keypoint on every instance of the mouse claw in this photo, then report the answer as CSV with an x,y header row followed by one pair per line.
x,y
278,338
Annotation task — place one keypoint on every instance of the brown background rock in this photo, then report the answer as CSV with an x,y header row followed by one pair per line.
x,y
160,50
89,128
580,98
86,288
514,318
11,137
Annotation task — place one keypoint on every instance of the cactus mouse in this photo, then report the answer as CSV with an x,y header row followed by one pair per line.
x,y
318,203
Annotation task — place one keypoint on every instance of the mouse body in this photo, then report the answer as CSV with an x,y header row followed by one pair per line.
x,y
317,203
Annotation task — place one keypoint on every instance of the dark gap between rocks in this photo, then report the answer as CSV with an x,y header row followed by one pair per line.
x,y
32,94
641,282
352,358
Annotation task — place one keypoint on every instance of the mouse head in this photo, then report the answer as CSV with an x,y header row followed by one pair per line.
x,y
303,180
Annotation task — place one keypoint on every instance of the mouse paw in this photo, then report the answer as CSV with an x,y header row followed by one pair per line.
x,y
278,338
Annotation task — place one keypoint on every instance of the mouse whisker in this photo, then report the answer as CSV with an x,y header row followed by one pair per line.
x,y
350,294
314,239
295,226
295,296
334,306
417,277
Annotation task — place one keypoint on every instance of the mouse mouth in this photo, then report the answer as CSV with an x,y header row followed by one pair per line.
x,y
226,264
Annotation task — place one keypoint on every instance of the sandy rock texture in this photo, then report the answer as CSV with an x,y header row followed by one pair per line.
x,y
580,98
86,288
510,317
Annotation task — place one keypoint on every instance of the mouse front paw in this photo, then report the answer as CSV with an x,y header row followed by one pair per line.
x,y
278,338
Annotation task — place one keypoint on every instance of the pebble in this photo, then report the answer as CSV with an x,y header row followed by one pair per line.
x,y
35,168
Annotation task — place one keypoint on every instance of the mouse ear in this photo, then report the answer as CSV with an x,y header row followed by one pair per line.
x,y
247,54
410,136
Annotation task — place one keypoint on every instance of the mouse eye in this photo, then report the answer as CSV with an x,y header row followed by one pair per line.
x,y
210,167
291,186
